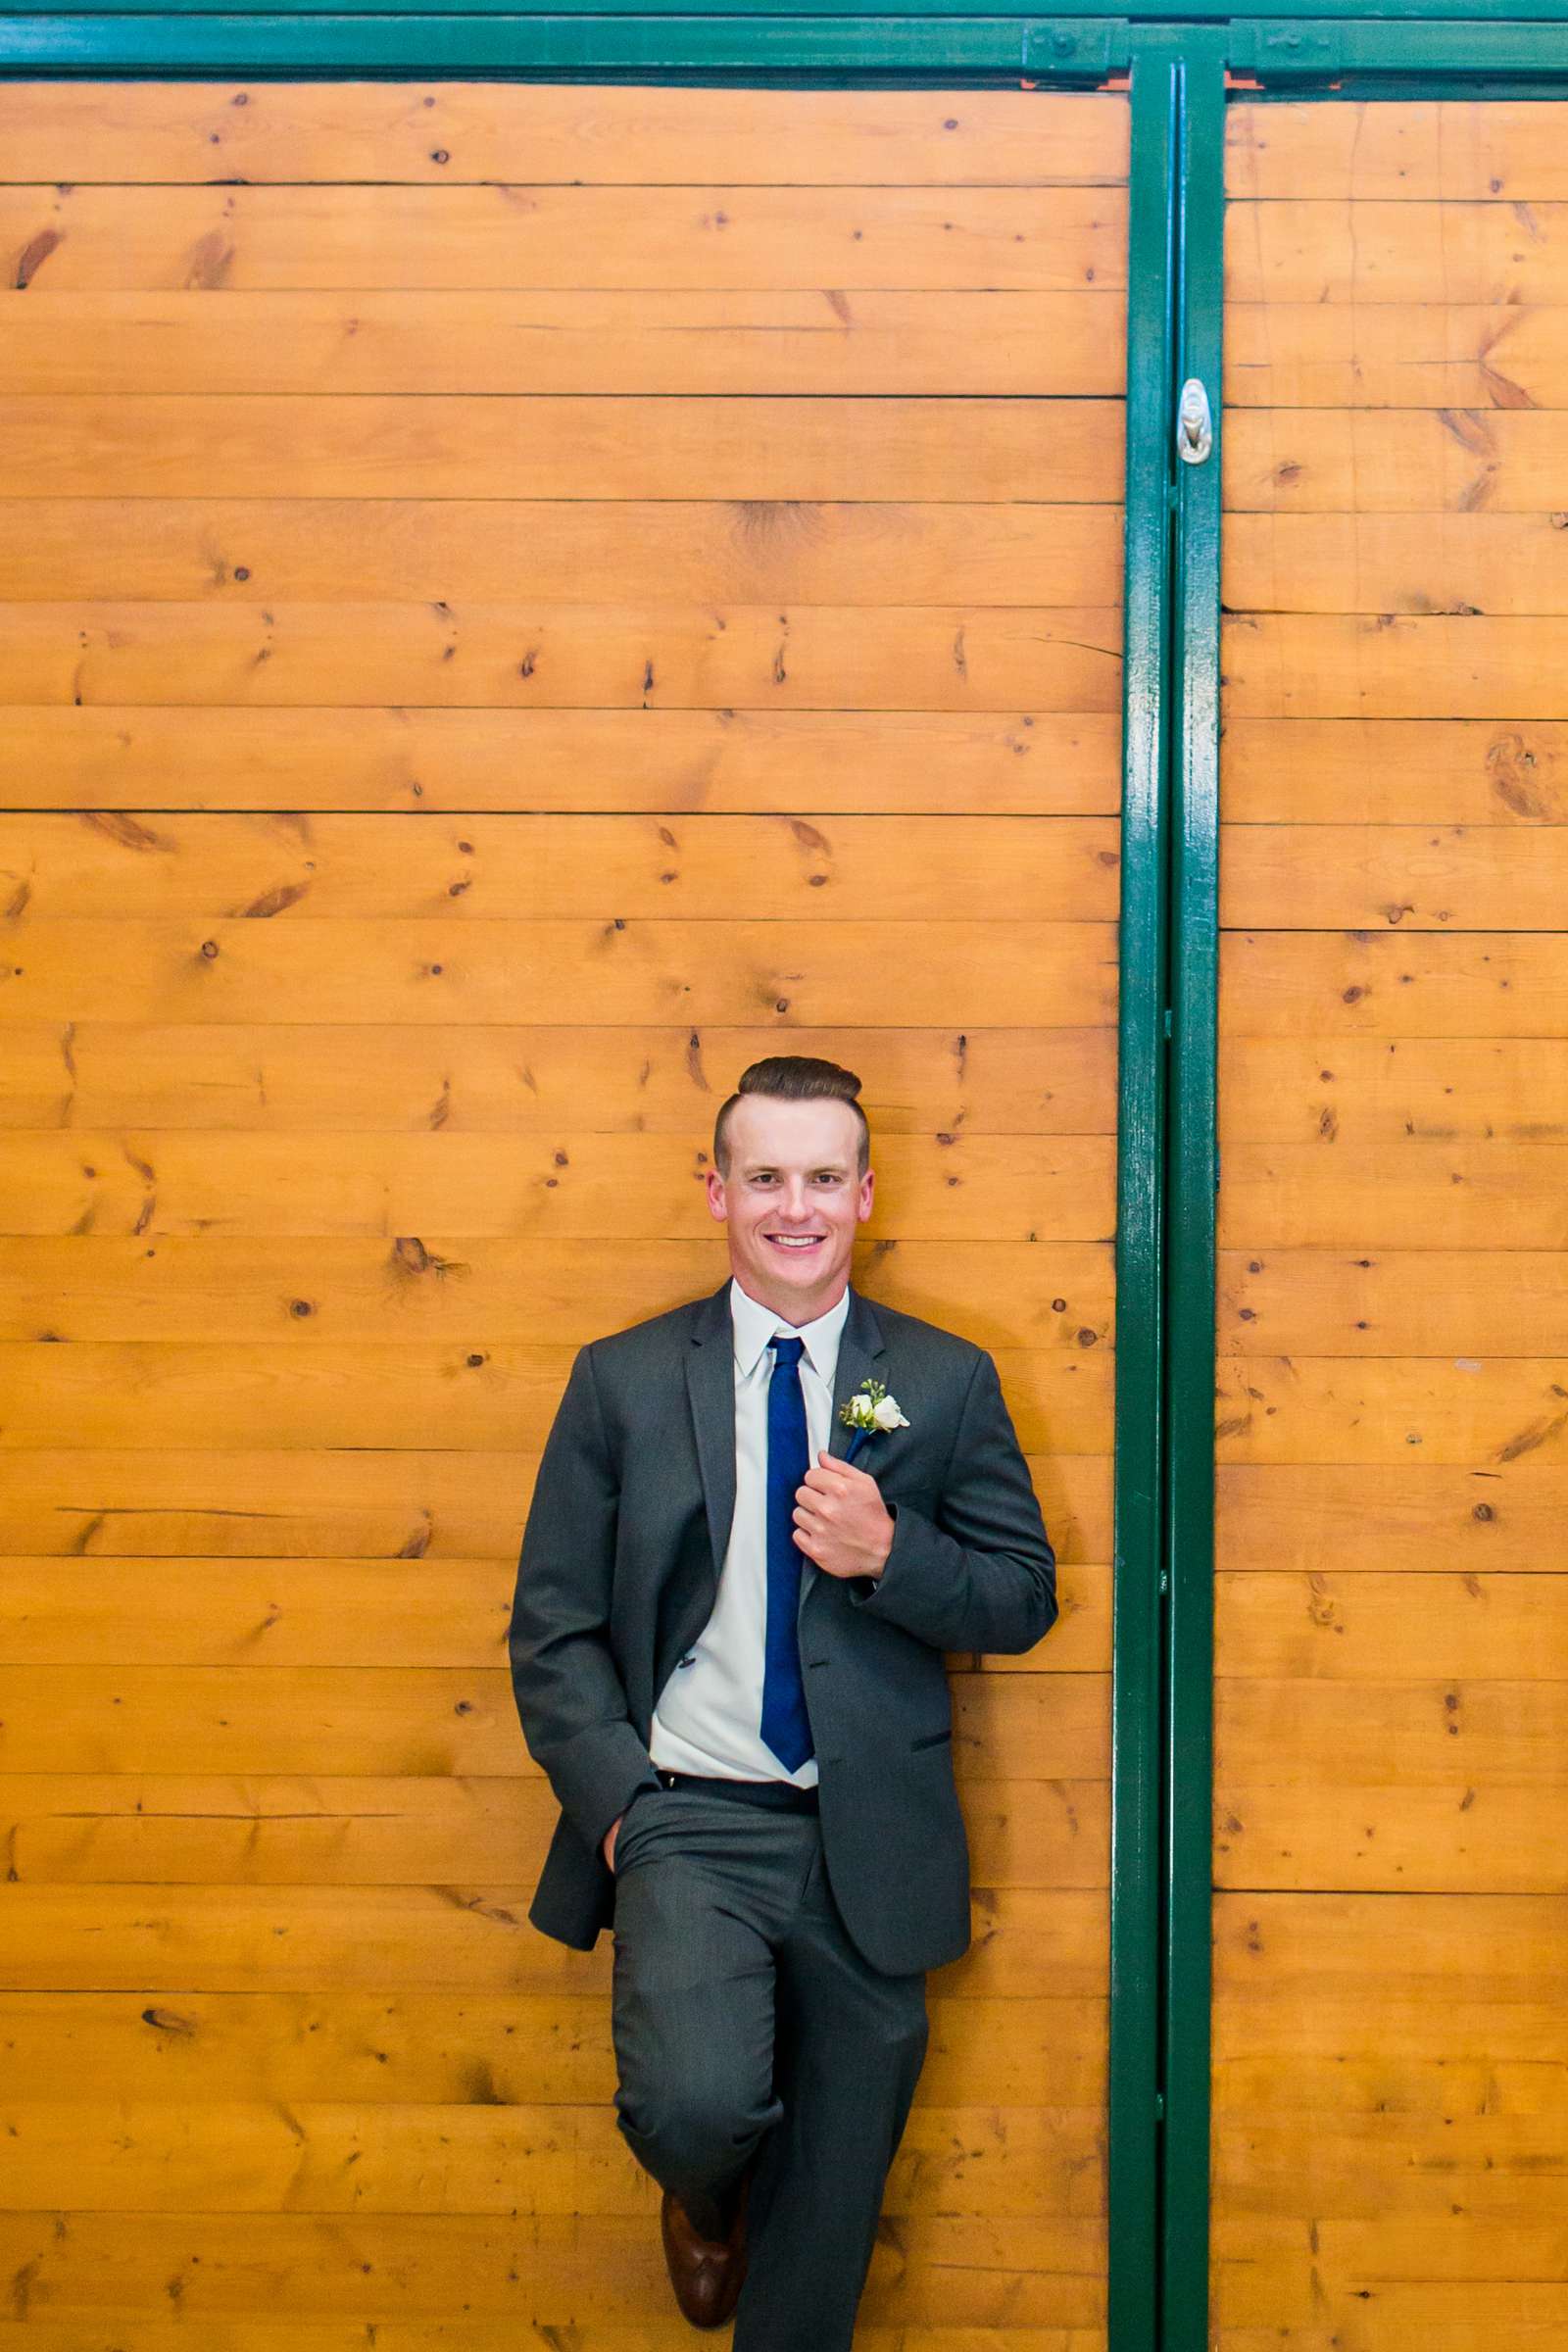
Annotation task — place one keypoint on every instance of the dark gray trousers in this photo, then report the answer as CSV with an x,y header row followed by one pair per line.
x,y
744,2019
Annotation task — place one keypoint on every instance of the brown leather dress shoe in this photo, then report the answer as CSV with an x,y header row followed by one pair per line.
x,y
707,2273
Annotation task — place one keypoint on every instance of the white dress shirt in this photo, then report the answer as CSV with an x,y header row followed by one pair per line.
x,y
709,1715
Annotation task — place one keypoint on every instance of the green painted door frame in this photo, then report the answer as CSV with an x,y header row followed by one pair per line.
x,y
1176,67
1163,1658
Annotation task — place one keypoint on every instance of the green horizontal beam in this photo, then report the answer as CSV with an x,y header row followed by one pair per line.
x,y
883,23
1081,42
318,39
1325,45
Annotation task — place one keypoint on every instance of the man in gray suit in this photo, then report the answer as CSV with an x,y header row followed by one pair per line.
x,y
727,1653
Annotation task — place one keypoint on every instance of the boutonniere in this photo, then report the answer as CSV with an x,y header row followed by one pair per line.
x,y
870,1410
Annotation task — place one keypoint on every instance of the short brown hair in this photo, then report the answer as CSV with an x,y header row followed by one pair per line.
x,y
795,1078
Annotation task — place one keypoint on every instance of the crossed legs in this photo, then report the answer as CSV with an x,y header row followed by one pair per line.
x,y
746,2025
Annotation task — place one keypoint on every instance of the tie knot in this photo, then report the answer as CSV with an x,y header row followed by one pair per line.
x,y
787,1351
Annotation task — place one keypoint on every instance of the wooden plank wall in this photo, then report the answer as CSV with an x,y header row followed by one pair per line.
x,y
516,601
1392,1917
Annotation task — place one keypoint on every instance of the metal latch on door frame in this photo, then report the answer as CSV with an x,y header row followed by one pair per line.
x,y
1194,427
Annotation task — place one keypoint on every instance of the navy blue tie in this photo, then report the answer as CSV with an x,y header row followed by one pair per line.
x,y
786,1728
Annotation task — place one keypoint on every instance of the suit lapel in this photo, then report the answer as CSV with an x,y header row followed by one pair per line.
x,y
710,1383
861,1343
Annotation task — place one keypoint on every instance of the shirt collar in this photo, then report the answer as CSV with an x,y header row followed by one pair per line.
x,y
755,1324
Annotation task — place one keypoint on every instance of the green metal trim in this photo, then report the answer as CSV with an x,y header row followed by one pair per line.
x,y
1322,46
1133,2186
1473,16
670,13
1081,40
649,47
1191,1179
1361,89
1161,1870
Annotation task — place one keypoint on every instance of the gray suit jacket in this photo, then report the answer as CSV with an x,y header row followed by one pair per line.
x,y
620,1570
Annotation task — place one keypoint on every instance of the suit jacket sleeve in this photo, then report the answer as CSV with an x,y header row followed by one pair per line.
x,y
569,1694
982,1575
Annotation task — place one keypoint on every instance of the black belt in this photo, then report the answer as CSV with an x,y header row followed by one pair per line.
x,y
779,1796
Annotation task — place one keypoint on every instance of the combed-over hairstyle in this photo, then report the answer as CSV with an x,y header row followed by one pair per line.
x,y
794,1078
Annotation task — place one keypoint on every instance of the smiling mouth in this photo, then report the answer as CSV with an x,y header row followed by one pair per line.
x,y
798,1242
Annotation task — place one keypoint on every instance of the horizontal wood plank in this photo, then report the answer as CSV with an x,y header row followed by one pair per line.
x,y
1305,1953
133,2331
1299,1517
1446,2302
1426,1196
1501,566
450,2048
1336,251
370,1504
240,2157
424,133
990,974
564,552
1378,2166
592,1187
530,868
486,1393
1482,1411
175,1830
1461,150
512,236
563,2270
1299,1301
1390,1735
261,445
209,1288
1373,1089
517,1080
1365,983
466,1938
563,656
1327,665
1393,461
1407,877
626,339
413,760
432,1722
336,1613
1393,354
1419,2026
1356,770
1451,2331
1461,1841
1329,1627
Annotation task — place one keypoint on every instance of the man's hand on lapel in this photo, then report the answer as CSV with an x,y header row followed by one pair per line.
x,y
841,1522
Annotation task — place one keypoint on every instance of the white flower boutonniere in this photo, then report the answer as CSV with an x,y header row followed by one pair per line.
x,y
870,1410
